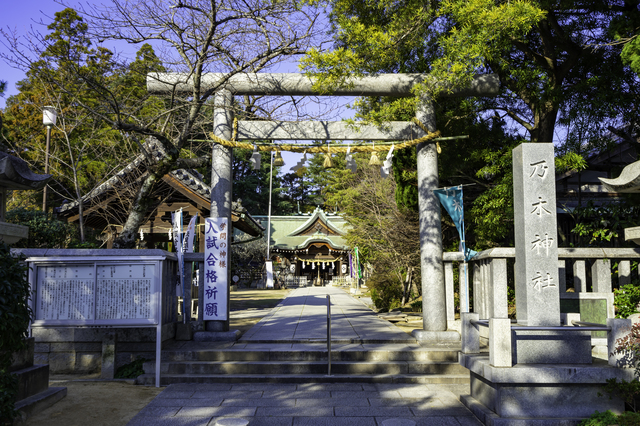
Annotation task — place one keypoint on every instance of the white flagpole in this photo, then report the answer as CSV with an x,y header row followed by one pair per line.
x,y
464,291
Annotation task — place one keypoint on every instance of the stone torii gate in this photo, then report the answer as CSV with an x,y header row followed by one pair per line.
x,y
400,85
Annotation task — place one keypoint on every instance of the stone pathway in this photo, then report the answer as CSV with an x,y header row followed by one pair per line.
x,y
302,316
299,321
323,404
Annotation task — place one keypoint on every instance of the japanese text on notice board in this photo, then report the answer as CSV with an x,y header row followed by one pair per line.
x,y
216,262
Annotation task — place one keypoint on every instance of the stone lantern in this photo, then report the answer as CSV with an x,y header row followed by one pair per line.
x,y
15,174
627,182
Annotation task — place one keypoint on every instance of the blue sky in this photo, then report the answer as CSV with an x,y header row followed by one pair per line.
x,y
23,15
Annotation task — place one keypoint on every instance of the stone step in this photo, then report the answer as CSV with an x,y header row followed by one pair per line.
x,y
40,401
336,340
168,379
32,380
305,367
434,355
298,362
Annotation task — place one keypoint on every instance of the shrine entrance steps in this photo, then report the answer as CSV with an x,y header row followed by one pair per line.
x,y
289,344
307,363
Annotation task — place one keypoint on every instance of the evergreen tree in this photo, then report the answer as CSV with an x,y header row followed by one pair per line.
x,y
85,150
194,38
555,60
252,186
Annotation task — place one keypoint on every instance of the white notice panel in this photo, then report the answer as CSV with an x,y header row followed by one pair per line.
x,y
65,292
269,268
97,293
124,291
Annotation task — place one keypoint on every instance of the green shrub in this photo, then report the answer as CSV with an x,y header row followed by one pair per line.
x,y
627,391
416,306
386,293
628,418
131,370
629,347
15,315
43,231
94,244
601,419
626,299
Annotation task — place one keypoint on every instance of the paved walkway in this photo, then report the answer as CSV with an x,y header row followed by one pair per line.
x,y
301,319
322,404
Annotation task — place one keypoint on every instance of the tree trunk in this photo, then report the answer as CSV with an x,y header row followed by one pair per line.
x,y
406,288
414,287
544,124
81,219
137,215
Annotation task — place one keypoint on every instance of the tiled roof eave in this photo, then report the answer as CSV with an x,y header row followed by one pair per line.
x,y
317,214
291,245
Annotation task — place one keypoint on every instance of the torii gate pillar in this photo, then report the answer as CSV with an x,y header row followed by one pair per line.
x,y
434,307
221,195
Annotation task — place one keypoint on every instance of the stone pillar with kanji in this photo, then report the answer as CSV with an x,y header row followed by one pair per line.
x,y
536,235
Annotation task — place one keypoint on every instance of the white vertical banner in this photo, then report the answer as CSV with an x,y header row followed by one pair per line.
x,y
176,218
269,269
187,244
216,262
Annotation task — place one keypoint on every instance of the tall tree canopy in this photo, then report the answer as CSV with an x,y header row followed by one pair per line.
x,y
558,62
191,36
85,150
545,53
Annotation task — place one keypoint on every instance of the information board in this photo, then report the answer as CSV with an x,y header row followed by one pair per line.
x,y
66,292
97,292
124,291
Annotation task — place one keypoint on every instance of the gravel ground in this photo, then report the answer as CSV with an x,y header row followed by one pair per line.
x,y
95,403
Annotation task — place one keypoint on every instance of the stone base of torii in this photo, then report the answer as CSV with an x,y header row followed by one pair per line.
x,y
401,85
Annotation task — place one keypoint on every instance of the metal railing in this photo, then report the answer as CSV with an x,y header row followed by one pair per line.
x,y
328,335
294,282
342,281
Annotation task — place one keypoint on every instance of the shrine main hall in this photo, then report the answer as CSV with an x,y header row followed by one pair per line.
x,y
313,244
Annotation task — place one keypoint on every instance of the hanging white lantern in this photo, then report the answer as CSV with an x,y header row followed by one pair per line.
x,y
313,265
141,235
